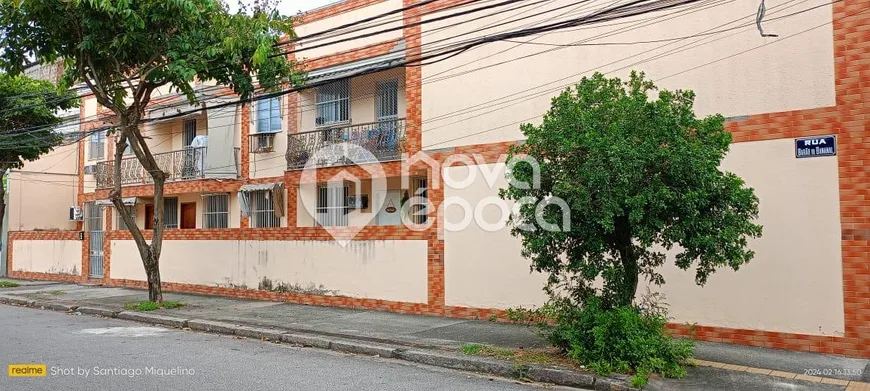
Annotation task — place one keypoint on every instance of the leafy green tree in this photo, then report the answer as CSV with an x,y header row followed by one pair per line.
x,y
28,114
640,175
124,50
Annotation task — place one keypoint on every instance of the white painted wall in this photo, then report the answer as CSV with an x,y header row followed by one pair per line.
x,y
514,84
47,256
388,270
794,284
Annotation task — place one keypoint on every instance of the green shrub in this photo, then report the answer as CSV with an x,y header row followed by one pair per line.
x,y
621,339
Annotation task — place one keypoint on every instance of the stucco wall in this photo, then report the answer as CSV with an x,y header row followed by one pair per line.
x,y
305,29
487,105
41,194
388,270
794,283
47,256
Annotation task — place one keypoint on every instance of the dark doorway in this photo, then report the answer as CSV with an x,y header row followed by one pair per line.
x,y
149,216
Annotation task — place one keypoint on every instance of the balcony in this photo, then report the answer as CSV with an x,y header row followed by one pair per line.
x,y
181,165
384,140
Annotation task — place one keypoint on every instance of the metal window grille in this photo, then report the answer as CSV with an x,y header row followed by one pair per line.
x,y
94,224
97,145
263,210
418,210
216,210
269,115
130,210
170,212
387,100
93,217
333,102
189,131
332,206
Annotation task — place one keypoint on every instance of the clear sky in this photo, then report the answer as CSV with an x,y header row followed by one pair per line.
x,y
290,7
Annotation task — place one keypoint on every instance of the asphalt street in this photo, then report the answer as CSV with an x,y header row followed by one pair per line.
x,y
90,353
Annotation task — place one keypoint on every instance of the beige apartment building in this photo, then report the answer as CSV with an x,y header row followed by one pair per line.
x,y
254,208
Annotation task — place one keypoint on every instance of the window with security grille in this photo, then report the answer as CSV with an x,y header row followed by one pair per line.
x,y
189,132
130,210
216,210
97,145
419,209
269,115
332,206
333,102
170,212
263,210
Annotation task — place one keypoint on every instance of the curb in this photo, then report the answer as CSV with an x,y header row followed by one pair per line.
x,y
444,359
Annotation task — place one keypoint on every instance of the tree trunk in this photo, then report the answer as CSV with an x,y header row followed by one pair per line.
x,y
148,252
628,259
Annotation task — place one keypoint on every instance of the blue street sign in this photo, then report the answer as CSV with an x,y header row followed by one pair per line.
x,y
815,146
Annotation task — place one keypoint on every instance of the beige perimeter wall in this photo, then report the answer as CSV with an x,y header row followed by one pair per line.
x,y
482,95
794,284
388,270
47,256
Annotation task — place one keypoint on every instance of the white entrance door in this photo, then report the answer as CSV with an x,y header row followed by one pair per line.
x,y
390,211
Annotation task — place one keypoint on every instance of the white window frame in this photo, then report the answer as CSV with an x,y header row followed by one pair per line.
x,y
221,215
332,209
333,102
97,142
275,102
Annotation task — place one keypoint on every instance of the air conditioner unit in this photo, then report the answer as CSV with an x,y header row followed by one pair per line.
x,y
91,169
75,213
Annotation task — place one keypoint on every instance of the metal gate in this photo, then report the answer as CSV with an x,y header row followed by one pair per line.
x,y
94,224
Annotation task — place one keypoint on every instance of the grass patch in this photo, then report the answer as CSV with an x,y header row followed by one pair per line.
x,y
151,306
545,356
474,349
8,284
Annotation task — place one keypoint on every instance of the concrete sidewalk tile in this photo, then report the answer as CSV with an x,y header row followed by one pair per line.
x,y
97,311
212,326
258,333
306,340
787,375
358,347
759,371
814,379
839,382
153,318
56,306
858,386
561,376
732,367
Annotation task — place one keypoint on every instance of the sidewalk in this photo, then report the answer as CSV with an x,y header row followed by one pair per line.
x,y
720,366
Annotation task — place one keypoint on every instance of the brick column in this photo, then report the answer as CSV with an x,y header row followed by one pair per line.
x,y
852,78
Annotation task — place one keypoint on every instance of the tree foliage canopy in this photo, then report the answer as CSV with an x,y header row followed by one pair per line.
x,y
125,49
640,174
28,111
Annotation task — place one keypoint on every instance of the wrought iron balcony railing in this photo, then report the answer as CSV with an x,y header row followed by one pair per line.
x,y
181,165
380,141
